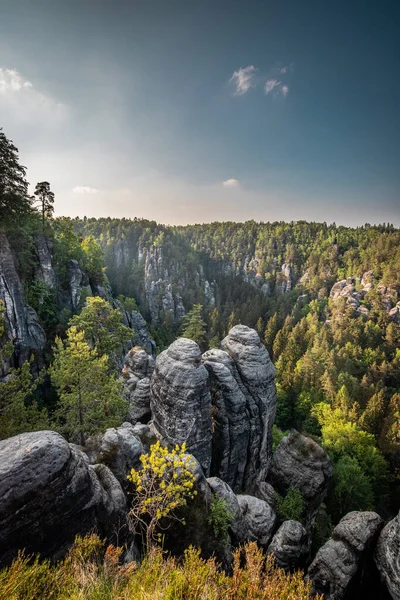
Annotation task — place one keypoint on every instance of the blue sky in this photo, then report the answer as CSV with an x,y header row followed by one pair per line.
x,y
186,111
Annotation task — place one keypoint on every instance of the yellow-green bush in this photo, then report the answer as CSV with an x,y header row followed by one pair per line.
x,y
90,573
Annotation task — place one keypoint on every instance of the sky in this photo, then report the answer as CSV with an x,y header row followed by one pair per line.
x,y
188,111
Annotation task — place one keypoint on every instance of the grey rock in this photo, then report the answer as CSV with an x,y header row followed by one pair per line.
x,y
387,556
285,281
289,545
142,336
394,313
120,449
299,462
136,373
338,561
22,323
255,375
266,492
259,517
231,426
181,401
49,494
238,527
78,281
43,267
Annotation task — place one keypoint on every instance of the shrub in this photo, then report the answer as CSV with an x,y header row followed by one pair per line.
x,y
291,506
221,517
162,486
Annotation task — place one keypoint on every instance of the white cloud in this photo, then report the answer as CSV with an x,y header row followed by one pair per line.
x,y
285,90
243,79
284,70
84,189
231,183
270,85
20,99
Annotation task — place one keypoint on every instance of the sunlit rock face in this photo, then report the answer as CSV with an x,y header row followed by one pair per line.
x,y
387,556
49,493
338,562
255,377
181,401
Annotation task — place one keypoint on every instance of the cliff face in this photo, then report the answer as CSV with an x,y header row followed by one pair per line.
x,y
22,323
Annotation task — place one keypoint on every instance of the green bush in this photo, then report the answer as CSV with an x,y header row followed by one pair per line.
x,y
221,517
291,506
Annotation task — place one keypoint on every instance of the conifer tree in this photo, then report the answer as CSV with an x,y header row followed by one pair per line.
x,y
14,198
194,327
46,200
90,398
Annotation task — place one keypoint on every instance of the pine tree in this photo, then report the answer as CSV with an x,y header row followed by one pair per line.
x,y
90,398
194,327
14,198
46,199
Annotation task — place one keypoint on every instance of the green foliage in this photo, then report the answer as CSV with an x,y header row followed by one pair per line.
x,y
322,529
277,436
43,300
90,398
221,517
92,261
291,506
129,304
351,489
14,199
102,328
194,327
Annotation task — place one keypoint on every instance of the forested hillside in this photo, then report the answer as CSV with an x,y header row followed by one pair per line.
x,y
325,300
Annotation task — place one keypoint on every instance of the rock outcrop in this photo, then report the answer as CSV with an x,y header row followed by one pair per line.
x,y
337,562
231,425
49,493
181,401
255,376
136,374
141,333
387,556
120,449
238,528
22,323
290,545
299,462
44,265
259,517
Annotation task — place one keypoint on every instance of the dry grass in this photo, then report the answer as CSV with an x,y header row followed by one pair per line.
x,y
89,573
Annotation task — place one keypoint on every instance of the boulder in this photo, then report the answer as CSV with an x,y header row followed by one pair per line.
x,y
49,494
290,545
259,518
387,556
255,376
180,400
338,562
120,449
299,462
231,426
238,528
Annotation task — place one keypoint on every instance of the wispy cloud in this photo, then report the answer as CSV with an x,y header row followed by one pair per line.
x,y
231,183
270,85
284,70
278,86
19,97
84,189
244,79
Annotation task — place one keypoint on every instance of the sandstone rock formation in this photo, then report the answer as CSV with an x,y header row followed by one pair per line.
x,y
120,449
231,425
181,401
299,462
141,333
48,494
290,545
22,322
238,528
255,374
136,373
259,517
337,562
387,556
43,267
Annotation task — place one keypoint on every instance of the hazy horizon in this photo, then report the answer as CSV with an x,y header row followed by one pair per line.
x,y
224,111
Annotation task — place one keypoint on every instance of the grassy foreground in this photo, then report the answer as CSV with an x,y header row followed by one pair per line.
x,y
90,573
